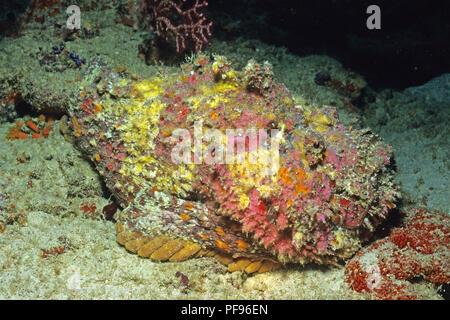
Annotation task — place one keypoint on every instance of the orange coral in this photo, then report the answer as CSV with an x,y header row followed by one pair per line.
x,y
30,124
36,135
15,133
46,131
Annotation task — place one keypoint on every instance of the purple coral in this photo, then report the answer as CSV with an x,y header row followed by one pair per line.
x,y
173,18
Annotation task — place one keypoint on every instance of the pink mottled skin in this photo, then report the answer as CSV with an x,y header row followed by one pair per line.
x,y
332,185
332,158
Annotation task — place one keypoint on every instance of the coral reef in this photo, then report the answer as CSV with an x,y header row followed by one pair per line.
x,y
45,173
420,248
331,188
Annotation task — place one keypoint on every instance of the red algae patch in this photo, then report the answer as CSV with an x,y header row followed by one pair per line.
x,y
420,248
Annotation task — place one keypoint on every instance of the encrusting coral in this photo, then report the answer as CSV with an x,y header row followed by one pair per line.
x,y
311,190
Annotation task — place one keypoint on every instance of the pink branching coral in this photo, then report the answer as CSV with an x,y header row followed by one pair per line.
x,y
173,17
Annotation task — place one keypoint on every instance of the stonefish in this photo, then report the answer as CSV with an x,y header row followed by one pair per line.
x,y
312,191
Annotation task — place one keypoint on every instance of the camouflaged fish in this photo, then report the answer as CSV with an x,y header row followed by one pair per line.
x,y
312,199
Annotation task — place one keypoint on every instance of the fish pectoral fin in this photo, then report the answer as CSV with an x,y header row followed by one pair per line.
x,y
250,266
159,248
